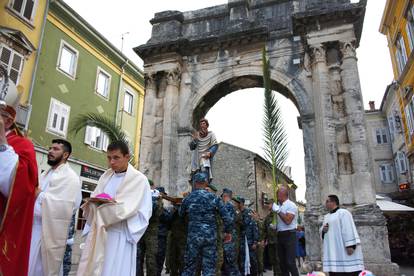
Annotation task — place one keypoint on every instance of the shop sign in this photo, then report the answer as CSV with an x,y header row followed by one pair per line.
x,y
91,173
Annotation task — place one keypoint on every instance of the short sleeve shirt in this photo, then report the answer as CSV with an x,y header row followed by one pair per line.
x,y
291,208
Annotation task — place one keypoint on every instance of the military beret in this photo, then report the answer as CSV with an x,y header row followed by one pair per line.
x,y
211,186
151,182
239,199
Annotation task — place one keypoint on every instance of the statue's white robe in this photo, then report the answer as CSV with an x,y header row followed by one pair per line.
x,y
60,197
341,234
114,229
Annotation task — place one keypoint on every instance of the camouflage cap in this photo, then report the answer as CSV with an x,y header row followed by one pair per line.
x,y
227,192
161,190
200,178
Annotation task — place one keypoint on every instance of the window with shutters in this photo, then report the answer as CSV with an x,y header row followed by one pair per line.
x,y
24,8
386,173
58,119
12,61
381,135
68,59
410,26
401,162
401,54
391,126
103,82
96,138
409,115
128,102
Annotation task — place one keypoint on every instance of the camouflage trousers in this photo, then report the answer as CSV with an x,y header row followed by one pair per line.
x,y
147,251
230,267
274,259
175,255
253,261
162,248
200,247
67,260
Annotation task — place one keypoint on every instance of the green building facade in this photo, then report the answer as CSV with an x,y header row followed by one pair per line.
x,y
79,72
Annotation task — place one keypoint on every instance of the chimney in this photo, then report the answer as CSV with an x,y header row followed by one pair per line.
x,y
371,105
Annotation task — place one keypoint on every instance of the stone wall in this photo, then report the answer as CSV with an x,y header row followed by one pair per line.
x,y
246,174
233,168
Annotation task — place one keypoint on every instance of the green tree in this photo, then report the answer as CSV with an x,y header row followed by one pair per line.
x,y
275,138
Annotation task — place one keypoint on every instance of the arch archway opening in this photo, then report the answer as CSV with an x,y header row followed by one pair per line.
x,y
226,87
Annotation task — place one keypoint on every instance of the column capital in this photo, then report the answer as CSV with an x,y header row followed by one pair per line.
x,y
150,81
347,49
173,76
317,53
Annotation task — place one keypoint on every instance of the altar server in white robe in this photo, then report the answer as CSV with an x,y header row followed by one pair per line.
x,y
115,226
58,198
342,253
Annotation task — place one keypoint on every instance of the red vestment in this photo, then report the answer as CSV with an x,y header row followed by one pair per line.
x,y
16,210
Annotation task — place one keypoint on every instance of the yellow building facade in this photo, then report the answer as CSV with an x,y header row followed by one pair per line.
x,y
21,26
397,25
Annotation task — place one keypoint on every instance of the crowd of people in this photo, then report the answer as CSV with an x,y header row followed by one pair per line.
x,y
219,235
128,224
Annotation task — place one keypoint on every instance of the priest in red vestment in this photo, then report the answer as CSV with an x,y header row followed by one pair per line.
x,y
18,187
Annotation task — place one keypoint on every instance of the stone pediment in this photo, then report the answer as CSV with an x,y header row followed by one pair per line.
x,y
18,39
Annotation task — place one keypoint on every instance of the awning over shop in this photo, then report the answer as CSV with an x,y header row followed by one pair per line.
x,y
389,206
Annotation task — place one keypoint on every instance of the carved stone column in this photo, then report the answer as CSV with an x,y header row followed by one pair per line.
x,y
324,121
369,219
313,196
170,130
363,194
146,165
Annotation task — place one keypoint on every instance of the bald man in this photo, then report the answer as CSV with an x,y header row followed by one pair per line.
x,y
286,227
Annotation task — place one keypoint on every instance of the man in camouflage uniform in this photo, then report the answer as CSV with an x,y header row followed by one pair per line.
x,y
230,267
163,228
238,223
219,222
261,243
148,245
271,240
249,234
201,208
176,243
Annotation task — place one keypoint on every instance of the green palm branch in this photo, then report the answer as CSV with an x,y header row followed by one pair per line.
x,y
275,138
107,125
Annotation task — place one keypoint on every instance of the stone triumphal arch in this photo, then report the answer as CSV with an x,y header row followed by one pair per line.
x,y
194,58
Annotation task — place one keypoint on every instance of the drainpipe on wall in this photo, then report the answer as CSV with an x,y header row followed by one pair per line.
x,y
118,98
39,49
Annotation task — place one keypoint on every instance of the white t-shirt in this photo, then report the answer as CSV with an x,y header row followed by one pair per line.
x,y
288,207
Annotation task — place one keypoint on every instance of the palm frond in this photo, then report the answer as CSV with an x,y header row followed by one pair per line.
x,y
275,138
107,125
